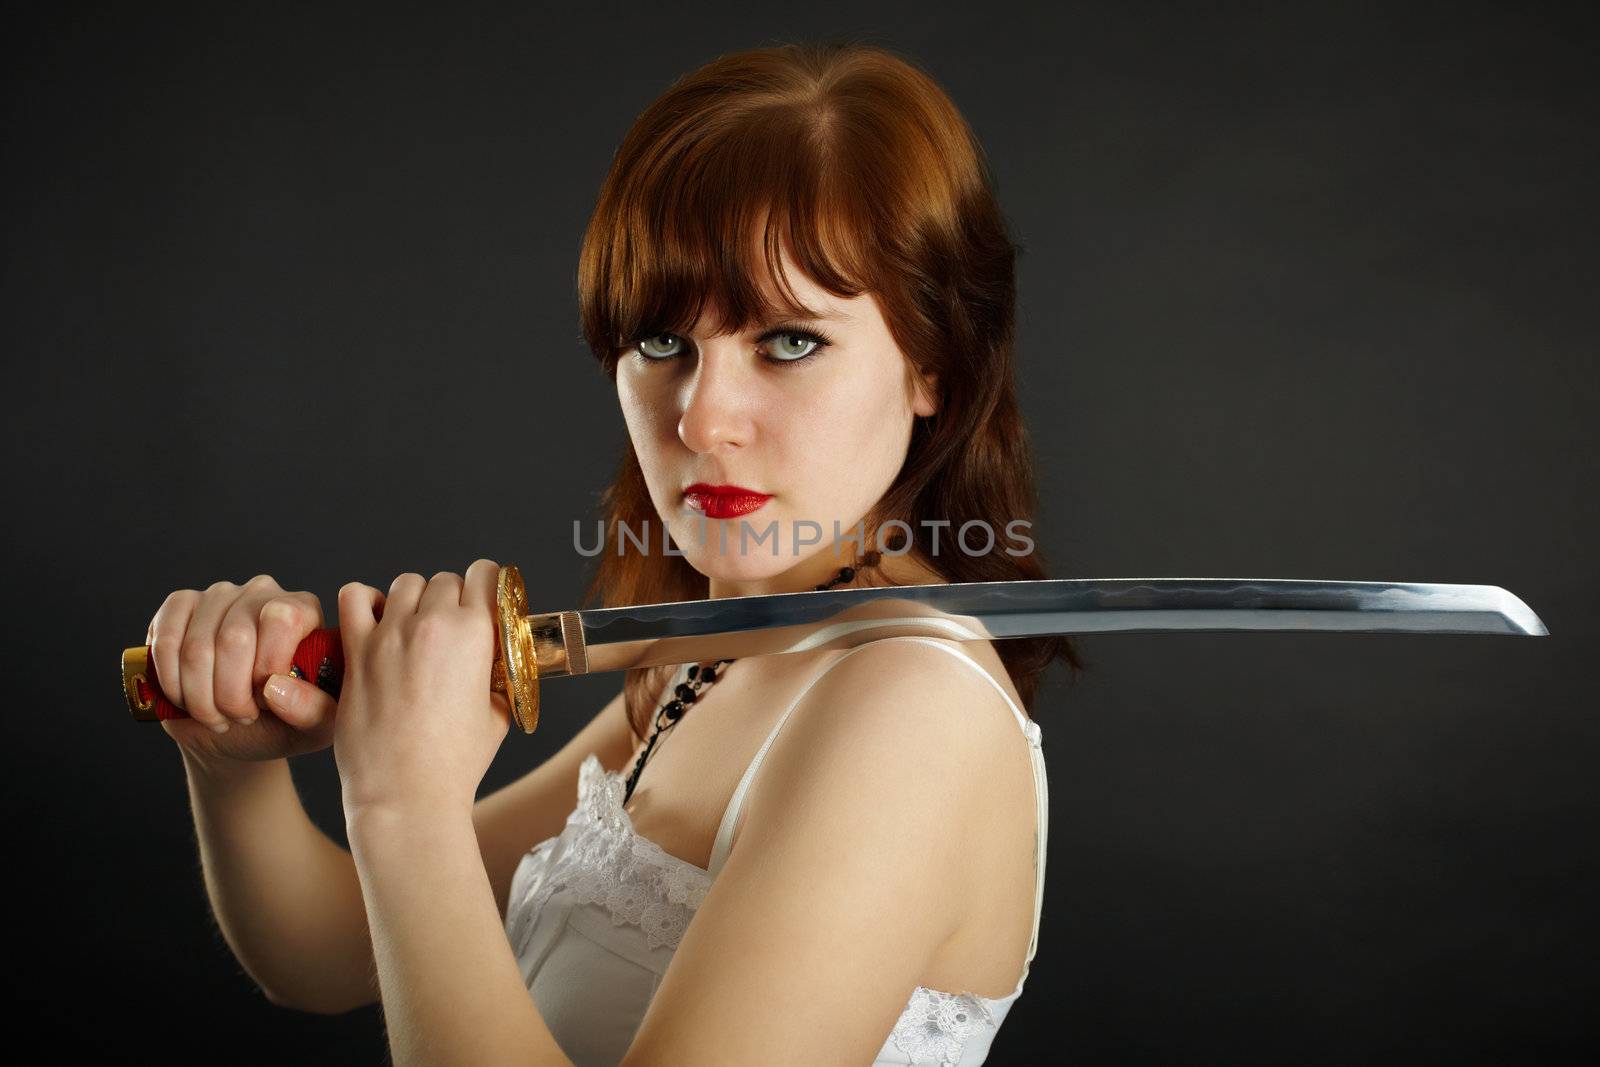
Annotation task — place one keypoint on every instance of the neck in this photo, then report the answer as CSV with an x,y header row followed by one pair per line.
x,y
823,567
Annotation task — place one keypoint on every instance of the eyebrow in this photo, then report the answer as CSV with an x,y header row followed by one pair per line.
x,y
811,316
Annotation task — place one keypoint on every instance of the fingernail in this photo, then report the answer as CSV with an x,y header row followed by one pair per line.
x,y
220,727
275,689
247,722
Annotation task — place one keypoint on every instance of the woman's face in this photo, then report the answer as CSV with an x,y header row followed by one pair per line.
x,y
823,437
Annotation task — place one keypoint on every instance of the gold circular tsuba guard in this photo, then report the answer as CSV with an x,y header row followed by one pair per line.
x,y
516,669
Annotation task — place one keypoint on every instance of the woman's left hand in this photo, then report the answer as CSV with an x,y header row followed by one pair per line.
x,y
417,725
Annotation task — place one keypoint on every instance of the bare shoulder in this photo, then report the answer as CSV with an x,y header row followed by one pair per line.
x,y
909,722
939,690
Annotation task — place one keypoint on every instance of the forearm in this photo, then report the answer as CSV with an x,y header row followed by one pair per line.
x,y
452,991
286,896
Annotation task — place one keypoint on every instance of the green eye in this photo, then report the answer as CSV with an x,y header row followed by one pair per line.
x,y
661,346
645,345
804,339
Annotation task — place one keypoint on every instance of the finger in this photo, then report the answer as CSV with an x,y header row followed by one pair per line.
x,y
443,591
232,686
166,638
198,656
404,594
359,608
284,621
301,705
480,591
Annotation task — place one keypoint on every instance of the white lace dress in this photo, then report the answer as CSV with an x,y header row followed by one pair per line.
x,y
596,913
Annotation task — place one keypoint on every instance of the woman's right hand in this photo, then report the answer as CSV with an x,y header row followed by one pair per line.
x,y
213,652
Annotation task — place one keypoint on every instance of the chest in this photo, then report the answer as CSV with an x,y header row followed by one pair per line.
x,y
695,765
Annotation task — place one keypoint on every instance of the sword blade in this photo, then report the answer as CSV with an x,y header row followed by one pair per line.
x,y
615,639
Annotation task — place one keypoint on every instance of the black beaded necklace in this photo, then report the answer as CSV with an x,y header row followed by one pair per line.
x,y
688,691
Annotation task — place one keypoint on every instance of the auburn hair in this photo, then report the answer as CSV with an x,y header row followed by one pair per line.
x,y
851,158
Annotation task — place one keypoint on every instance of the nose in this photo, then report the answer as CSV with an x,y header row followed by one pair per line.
x,y
718,401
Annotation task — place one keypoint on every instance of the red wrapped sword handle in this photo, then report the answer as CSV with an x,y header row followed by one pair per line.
x,y
318,659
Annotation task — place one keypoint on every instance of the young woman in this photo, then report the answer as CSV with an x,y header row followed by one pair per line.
x,y
801,284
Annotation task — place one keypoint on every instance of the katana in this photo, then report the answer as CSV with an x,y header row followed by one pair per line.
x,y
556,644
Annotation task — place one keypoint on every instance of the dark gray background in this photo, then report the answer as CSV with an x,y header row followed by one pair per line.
x,y
1306,292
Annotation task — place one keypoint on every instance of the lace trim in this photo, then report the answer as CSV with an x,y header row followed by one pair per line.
x,y
935,1026
607,863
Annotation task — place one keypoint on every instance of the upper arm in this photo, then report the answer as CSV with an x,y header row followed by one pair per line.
x,y
516,816
848,876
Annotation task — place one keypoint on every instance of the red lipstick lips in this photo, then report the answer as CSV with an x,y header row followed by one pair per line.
x,y
723,501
